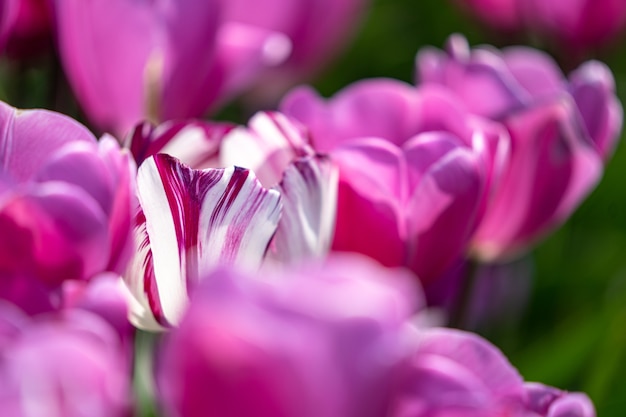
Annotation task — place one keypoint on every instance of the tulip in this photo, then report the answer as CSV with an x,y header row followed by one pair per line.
x,y
573,27
300,21
454,373
66,203
288,344
561,132
164,60
8,14
415,170
31,30
65,366
194,219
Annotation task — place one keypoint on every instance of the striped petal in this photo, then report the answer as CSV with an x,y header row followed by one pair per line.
x,y
189,222
309,192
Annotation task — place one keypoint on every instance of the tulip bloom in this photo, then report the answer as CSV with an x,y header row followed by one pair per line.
x,y
454,373
164,60
289,344
300,21
66,203
69,365
30,31
573,26
561,132
415,169
194,219
8,13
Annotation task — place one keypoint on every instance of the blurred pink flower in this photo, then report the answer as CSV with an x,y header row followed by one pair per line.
x,y
128,61
415,169
30,30
301,21
561,132
66,204
573,26
195,217
458,374
318,341
68,365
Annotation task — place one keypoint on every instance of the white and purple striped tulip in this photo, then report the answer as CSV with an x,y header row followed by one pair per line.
x,y
66,202
191,221
277,149
562,131
415,169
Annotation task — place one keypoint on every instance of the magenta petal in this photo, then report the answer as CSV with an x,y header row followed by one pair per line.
x,y
149,65
191,221
309,195
58,233
553,167
29,137
443,212
454,373
593,89
535,70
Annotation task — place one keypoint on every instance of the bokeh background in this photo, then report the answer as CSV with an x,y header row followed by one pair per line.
x,y
572,332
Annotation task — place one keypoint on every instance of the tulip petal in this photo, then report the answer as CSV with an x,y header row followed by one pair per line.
x,y
269,144
309,193
191,221
27,138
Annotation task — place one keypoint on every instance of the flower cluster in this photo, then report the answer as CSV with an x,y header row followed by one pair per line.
x,y
320,260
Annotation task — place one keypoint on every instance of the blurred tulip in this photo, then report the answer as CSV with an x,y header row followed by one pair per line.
x,y
289,344
561,132
301,21
128,61
31,30
454,373
573,27
66,202
63,366
415,169
272,146
8,14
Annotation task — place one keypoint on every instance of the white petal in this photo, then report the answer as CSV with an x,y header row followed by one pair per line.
x,y
309,192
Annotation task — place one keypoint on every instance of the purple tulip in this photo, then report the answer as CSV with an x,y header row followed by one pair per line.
x,y
415,169
128,61
68,365
300,20
572,26
458,374
66,203
30,31
319,341
561,132
195,219
8,15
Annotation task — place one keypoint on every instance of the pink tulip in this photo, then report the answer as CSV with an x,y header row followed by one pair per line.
x,y
458,374
63,366
8,15
415,169
561,131
66,202
319,341
194,218
301,21
31,30
572,26
128,61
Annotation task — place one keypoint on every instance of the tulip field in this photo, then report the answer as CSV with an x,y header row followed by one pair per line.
x,y
312,208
